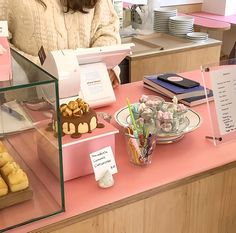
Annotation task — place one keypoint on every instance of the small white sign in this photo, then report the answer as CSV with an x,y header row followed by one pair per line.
x,y
102,161
224,89
95,82
3,29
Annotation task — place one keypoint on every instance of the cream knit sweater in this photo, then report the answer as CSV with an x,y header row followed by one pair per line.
x,y
33,26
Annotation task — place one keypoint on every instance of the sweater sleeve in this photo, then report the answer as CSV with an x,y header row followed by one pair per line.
x,y
5,15
34,59
105,28
105,25
4,9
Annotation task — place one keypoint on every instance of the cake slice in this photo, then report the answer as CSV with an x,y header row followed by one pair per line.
x,y
8,168
3,187
17,180
4,158
2,147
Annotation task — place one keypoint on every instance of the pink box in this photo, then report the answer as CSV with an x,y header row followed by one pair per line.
x,y
5,61
75,152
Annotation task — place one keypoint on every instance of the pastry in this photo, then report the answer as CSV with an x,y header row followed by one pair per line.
x,y
17,180
8,168
4,158
76,118
2,147
3,187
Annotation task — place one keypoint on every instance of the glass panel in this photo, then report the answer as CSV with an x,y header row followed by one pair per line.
x,y
25,73
26,134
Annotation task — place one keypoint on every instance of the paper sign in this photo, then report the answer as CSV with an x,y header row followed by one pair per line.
x,y
224,89
3,29
102,161
95,82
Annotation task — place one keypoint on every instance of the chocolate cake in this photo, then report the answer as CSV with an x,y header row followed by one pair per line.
x,y
76,118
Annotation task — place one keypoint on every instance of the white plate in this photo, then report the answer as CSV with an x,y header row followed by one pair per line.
x,y
180,18
165,10
122,117
198,34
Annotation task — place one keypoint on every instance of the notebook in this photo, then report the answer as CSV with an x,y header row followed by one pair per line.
x,y
171,90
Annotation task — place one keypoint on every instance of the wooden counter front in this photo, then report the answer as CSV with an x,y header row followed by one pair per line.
x,y
165,53
190,187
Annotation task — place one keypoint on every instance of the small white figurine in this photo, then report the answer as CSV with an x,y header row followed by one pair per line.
x,y
175,100
106,180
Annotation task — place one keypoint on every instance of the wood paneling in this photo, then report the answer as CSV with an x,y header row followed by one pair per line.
x,y
188,8
202,204
176,61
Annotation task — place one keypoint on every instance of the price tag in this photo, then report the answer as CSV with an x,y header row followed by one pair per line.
x,y
102,161
42,55
3,29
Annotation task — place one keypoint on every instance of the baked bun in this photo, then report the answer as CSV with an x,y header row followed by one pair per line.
x,y
17,180
4,158
8,168
2,148
3,187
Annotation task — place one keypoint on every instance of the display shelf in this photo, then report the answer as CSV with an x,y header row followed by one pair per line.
x,y
43,183
45,195
182,178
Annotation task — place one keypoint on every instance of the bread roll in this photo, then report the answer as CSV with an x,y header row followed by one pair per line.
x,y
8,168
2,147
4,158
17,180
3,187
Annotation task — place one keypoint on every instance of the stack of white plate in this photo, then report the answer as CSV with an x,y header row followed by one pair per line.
x,y
197,36
161,19
181,25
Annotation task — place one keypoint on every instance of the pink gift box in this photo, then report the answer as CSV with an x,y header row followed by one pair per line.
x,y
5,61
75,152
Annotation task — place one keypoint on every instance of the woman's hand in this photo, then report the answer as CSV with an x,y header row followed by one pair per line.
x,y
114,80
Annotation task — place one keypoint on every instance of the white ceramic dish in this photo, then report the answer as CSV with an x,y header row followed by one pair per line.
x,y
122,117
182,18
198,35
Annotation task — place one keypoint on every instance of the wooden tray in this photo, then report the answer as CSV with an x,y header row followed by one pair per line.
x,y
141,45
13,198
155,41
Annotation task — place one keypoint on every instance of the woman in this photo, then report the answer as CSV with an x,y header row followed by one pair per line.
x,y
60,24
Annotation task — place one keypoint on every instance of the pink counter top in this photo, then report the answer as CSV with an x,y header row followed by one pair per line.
x,y
209,23
227,19
171,162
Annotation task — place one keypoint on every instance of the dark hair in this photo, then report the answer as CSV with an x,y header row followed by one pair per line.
x,y
74,5
78,5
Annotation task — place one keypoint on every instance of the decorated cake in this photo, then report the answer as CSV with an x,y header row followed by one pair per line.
x,y
76,118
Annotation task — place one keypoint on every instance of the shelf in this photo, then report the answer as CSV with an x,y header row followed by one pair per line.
x,y
45,186
18,131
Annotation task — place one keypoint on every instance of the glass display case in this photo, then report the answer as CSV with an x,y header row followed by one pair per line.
x,y
29,191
